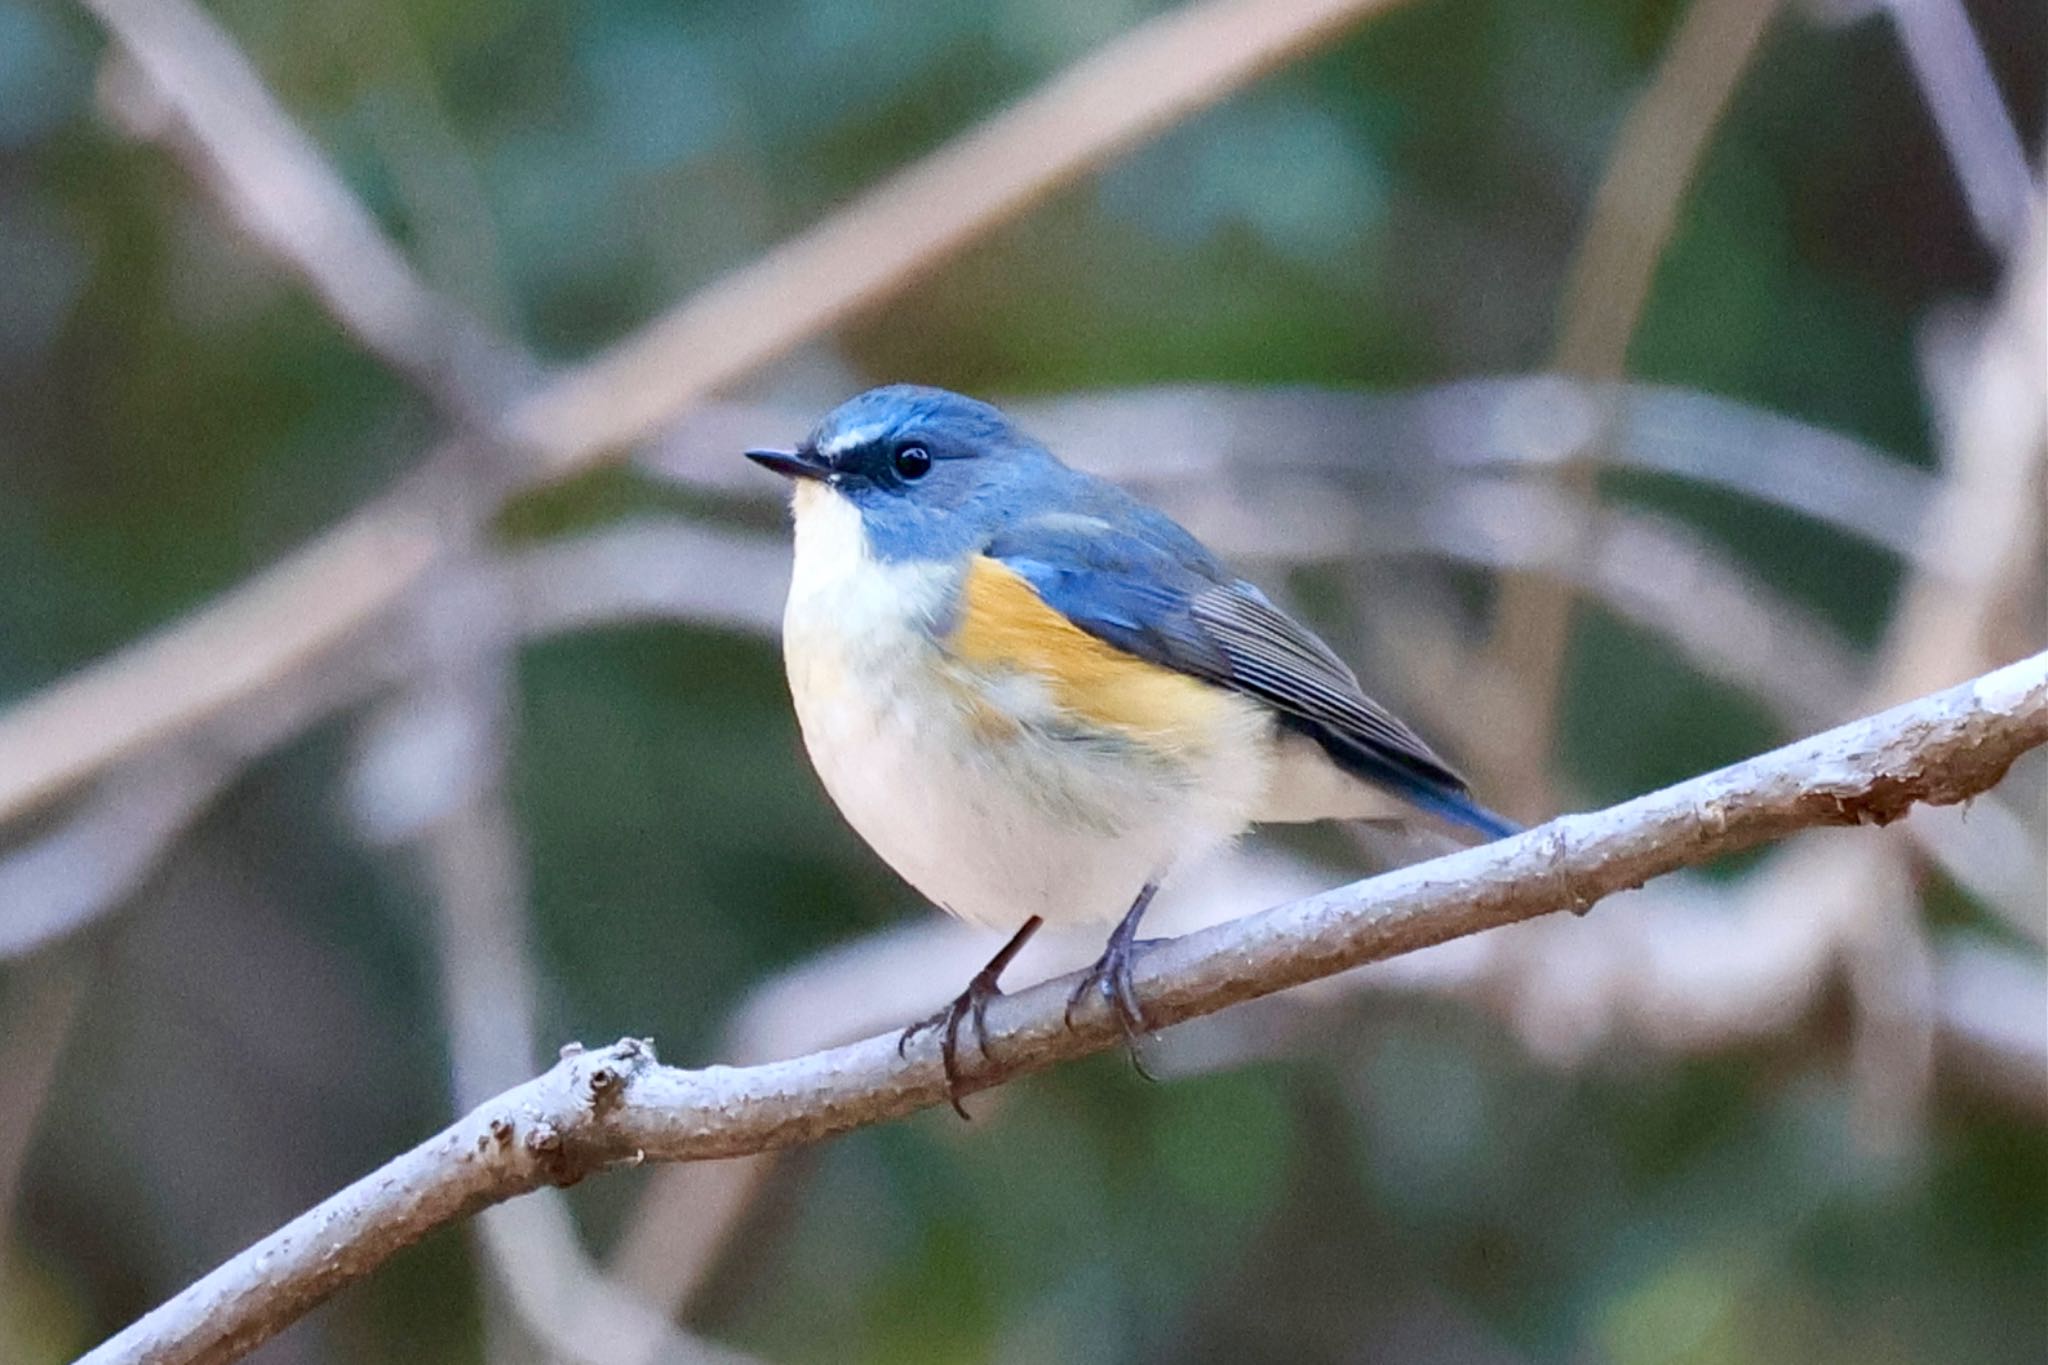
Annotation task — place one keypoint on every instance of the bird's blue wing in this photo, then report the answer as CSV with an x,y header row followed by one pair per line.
x,y
1136,581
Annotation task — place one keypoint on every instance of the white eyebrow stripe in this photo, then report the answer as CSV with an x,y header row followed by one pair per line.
x,y
848,440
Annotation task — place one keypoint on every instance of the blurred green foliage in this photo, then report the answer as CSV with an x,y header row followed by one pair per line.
x,y
1399,210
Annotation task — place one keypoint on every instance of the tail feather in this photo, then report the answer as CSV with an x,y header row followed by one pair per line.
x,y
1425,791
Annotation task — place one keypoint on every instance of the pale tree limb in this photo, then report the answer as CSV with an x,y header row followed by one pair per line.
x,y
618,1106
1698,966
1133,88
660,570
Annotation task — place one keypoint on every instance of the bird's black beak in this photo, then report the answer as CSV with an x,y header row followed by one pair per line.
x,y
793,464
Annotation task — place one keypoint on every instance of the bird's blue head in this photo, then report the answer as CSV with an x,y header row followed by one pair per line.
x,y
933,474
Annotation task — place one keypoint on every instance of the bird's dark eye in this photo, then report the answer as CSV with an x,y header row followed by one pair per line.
x,y
912,462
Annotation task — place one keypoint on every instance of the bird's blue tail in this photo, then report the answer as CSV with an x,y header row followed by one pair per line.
x,y
1458,808
1448,800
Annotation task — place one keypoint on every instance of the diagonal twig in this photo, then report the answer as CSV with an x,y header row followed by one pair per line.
x,y
1990,162
200,93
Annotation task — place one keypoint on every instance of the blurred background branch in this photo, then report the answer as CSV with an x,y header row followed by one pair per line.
x,y
181,82
1983,147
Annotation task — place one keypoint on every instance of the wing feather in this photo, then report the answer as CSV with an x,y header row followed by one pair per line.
x,y
1149,588
1274,657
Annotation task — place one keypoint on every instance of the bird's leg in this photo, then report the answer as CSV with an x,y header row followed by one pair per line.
x,y
1110,977
971,1003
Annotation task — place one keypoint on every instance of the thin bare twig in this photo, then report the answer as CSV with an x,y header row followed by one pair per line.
x,y
617,1105
201,93
1990,162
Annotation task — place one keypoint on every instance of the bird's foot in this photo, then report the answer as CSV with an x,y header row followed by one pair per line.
x,y
970,1005
1110,978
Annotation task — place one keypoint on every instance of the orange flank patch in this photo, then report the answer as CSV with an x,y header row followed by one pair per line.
x,y
1004,626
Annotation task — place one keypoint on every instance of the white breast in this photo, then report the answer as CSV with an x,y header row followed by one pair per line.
x,y
992,826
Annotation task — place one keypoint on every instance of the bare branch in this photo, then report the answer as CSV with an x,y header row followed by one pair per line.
x,y
1950,67
200,96
283,621
617,1105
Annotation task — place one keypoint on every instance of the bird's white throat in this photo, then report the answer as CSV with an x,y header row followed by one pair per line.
x,y
838,585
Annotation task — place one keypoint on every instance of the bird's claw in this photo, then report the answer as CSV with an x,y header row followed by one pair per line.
x,y
1110,978
970,1004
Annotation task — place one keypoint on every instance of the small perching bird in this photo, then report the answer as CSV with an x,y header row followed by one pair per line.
x,y
1035,696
